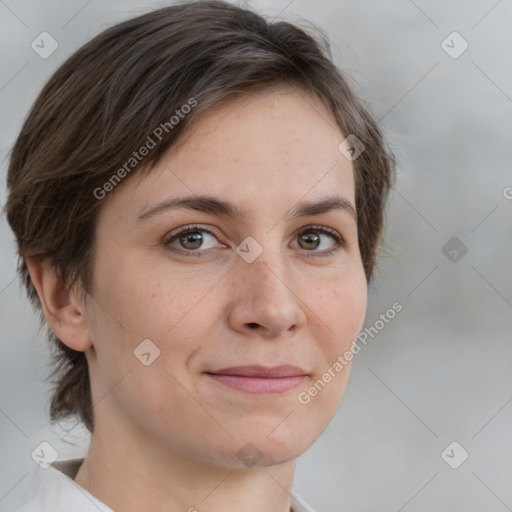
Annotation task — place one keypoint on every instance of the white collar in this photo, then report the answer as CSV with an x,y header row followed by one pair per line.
x,y
54,490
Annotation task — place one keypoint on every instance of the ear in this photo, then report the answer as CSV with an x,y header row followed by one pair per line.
x,y
63,308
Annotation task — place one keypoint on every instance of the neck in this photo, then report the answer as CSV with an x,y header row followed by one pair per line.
x,y
132,473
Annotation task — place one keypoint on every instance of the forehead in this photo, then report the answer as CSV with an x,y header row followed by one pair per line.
x,y
257,148
289,124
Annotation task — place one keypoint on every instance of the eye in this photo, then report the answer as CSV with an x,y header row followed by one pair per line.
x,y
189,239
311,238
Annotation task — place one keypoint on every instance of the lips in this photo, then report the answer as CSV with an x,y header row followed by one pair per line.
x,y
262,371
257,379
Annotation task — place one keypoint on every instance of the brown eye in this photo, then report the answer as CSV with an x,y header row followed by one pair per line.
x,y
191,240
309,240
312,238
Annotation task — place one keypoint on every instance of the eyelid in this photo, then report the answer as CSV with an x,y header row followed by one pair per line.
x,y
322,229
185,229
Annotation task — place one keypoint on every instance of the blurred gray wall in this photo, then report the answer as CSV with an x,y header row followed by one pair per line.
x,y
441,370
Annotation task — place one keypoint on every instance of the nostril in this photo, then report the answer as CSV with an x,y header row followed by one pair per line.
x,y
253,325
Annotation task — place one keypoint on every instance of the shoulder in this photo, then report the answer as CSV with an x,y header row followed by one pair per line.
x,y
55,491
299,505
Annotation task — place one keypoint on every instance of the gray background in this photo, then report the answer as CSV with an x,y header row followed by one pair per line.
x,y
440,371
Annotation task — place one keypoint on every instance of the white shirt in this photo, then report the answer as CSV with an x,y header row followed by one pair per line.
x,y
54,490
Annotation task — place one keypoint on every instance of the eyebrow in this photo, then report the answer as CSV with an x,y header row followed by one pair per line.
x,y
213,205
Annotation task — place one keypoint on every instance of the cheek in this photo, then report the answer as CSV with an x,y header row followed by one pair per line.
x,y
341,305
351,300
146,300
175,312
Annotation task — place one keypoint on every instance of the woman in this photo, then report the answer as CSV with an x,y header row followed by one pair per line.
x,y
198,198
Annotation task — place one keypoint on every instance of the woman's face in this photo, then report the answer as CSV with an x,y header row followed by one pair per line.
x,y
210,300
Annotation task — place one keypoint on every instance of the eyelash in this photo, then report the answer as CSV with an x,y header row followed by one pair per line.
x,y
171,237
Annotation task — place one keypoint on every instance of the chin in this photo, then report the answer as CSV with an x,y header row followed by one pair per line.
x,y
260,452
276,445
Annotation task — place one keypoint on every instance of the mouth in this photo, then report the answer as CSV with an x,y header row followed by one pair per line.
x,y
260,380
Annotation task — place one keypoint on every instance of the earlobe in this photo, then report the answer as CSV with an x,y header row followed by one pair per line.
x,y
63,308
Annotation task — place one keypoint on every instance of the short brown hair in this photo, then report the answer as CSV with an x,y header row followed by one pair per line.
x,y
107,100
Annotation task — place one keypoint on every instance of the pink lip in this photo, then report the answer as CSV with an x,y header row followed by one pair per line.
x,y
260,379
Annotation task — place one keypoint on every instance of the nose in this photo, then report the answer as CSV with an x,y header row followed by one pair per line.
x,y
265,301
